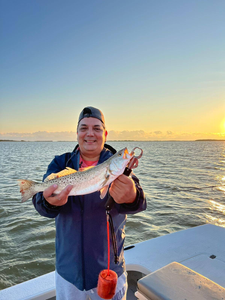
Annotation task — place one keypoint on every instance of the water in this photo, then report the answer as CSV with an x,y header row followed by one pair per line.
x,y
184,183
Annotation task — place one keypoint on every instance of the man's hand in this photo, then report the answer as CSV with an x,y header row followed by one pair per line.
x,y
123,190
59,199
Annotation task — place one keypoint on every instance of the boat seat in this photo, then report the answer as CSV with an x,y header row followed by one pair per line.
x,y
177,282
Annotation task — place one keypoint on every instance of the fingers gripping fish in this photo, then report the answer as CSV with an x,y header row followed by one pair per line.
x,y
84,182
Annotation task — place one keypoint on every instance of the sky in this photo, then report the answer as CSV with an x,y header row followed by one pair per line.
x,y
156,69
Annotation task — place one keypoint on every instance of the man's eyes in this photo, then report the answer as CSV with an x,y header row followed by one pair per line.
x,y
95,129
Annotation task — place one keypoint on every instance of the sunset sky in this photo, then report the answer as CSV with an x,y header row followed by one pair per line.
x,y
155,68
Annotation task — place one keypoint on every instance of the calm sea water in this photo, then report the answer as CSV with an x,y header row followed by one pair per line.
x,y
184,183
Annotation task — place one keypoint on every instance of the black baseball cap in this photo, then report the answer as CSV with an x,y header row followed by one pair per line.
x,y
91,112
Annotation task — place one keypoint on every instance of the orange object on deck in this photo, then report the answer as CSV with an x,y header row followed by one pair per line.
x,y
107,282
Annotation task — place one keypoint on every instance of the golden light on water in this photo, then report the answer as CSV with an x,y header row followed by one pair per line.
x,y
222,188
217,206
215,221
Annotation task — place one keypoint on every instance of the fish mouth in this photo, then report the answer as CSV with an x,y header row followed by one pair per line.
x,y
126,154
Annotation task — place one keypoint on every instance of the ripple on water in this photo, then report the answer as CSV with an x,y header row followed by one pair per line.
x,y
176,178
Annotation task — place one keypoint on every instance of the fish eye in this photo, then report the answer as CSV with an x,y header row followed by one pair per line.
x,y
120,154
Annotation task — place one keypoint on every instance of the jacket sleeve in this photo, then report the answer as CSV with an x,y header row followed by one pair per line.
x,y
39,202
42,207
138,205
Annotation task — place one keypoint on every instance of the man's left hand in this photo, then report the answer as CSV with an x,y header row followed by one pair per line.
x,y
123,190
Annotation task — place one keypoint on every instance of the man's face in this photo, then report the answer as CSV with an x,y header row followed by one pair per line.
x,y
91,137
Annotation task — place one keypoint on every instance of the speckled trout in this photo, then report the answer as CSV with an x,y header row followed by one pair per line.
x,y
90,180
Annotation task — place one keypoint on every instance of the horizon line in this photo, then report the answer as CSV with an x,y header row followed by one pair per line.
x,y
123,140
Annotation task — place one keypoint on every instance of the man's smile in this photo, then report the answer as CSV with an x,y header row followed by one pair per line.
x,y
90,141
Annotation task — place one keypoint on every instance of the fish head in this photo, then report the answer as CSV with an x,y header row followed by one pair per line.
x,y
124,155
119,162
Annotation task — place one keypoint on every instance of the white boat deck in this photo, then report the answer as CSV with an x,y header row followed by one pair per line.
x,y
200,248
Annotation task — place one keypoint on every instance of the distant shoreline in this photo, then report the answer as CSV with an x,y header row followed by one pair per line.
x,y
23,141
199,140
209,140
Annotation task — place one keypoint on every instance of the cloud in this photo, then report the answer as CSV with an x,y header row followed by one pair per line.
x,y
169,132
127,135
138,135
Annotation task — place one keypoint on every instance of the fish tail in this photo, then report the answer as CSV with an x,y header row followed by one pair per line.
x,y
26,189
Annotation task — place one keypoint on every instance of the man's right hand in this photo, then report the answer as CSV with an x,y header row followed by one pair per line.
x,y
59,199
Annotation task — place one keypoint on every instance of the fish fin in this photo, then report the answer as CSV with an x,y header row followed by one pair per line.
x,y
105,188
86,168
107,175
62,173
26,189
51,177
104,191
105,181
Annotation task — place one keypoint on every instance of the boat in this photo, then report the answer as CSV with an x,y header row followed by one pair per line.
x,y
190,262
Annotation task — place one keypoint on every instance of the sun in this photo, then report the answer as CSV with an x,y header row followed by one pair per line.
x,y
223,126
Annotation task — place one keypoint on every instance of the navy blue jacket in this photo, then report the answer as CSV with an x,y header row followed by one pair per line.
x,y
81,228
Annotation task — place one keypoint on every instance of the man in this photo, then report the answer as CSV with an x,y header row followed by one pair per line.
x,y
81,235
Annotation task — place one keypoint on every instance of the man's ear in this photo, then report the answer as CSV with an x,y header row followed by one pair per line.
x,y
106,133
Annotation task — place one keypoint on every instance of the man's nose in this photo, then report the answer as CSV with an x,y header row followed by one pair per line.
x,y
90,131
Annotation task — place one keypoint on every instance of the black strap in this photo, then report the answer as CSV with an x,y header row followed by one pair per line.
x,y
109,217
